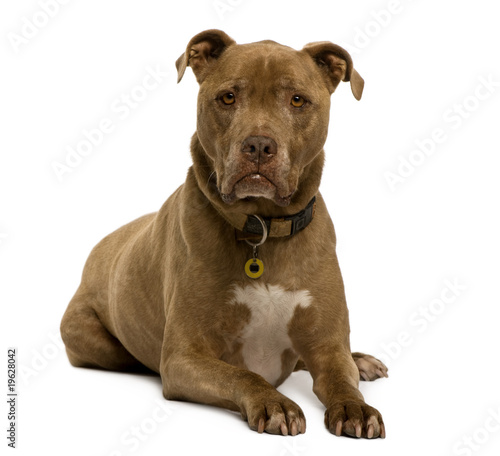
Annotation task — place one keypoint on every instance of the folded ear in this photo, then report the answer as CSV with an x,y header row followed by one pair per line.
x,y
201,52
337,66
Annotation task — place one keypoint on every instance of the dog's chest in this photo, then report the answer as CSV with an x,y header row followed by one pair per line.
x,y
264,339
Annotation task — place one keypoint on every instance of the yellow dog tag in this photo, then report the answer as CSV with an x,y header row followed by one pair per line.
x,y
254,268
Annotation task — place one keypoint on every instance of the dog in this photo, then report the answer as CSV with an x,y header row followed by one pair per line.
x,y
234,283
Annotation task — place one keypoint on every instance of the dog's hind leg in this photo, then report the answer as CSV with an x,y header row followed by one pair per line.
x,y
89,343
370,368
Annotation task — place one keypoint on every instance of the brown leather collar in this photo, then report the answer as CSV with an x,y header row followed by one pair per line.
x,y
248,227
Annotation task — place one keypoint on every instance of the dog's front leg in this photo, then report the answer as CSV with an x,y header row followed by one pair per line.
x,y
336,385
199,377
326,353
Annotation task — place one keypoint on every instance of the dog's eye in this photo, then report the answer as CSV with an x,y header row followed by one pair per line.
x,y
297,101
228,98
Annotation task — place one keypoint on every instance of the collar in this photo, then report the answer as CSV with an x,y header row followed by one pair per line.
x,y
249,227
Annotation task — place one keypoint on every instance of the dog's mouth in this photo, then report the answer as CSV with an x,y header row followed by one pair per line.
x,y
256,185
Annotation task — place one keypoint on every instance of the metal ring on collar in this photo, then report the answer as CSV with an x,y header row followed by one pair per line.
x,y
264,233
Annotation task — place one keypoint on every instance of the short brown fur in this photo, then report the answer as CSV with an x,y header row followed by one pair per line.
x,y
158,292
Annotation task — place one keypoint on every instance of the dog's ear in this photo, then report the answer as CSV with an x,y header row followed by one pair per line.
x,y
336,63
201,52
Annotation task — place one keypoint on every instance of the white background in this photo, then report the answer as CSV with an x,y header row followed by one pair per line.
x,y
396,248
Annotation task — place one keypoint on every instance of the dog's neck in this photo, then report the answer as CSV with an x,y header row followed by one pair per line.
x,y
237,214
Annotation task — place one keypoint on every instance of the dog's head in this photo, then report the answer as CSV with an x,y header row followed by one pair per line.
x,y
263,110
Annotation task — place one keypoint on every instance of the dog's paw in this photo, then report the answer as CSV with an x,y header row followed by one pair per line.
x,y
370,368
276,415
354,419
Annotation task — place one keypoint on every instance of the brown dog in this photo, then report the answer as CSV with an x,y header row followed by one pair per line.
x,y
234,283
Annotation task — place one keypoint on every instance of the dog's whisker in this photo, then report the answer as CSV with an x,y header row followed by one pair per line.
x,y
213,173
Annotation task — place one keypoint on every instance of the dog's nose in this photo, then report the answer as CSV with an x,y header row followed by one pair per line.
x,y
259,146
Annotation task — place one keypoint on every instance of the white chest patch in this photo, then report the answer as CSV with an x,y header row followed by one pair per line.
x,y
265,337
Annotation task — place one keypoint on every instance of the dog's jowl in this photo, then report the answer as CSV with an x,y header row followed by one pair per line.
x,y
272,299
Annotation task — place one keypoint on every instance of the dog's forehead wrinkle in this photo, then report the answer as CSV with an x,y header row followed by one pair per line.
x,y
237,83
265,57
